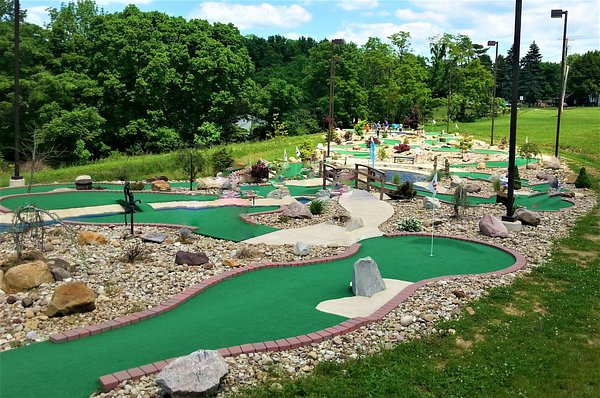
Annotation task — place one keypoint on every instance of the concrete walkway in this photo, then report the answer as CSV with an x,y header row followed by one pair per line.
x,y
358,203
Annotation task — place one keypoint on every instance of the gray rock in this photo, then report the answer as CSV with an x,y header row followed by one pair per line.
x,y
455,180
406,320
552,163
366,278
83,182
278,194
59,262
301,249
354,223
194,375
493,227
189,258
528,217
323,193
296,210
31,335
542,175
11,299
429,317
60,274
431,203
472,187
26,302
154,237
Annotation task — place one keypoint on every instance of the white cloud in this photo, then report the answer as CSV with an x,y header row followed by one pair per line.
x,y
292,35
124,2
353,5
38,15
251,16
376,14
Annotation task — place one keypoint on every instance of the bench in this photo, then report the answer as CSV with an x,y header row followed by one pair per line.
x,y
398,159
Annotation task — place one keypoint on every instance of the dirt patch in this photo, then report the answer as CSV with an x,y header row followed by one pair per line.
x,y
479,337
581,257
539,308
593,238
464,344
511,310
594,342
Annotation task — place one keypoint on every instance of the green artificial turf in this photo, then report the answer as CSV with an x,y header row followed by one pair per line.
x,y
72,199
258,306
295,190
217,222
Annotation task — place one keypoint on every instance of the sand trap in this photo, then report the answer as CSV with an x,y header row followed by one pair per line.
x,y
352,307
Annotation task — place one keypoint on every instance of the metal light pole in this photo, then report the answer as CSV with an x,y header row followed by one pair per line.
x,y
561,94
17,177
449,62
513,114
494,43
332,91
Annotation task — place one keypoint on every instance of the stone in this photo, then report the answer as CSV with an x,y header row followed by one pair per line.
x,y
60,274
470,311
155,237
91,238
493,227
157,178
11,299
59,262
296,210
343,217
354,223
471,187
70,298
428,317
195,375
532,166
481,166
31,335
455,180
430,203
161,186
541,175
459,293
83,182
571,178
366,278
28,275
323,193
278,194
229,262
528,217
406,320
189,258
26,302
552,163
513,226
301,249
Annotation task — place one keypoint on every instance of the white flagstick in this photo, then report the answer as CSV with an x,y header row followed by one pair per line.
x,y
432,223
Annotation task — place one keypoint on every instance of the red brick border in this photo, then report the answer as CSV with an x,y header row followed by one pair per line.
x,y
107,382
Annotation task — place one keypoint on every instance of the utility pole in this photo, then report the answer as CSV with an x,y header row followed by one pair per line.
x,y
494,43
17,177
334,42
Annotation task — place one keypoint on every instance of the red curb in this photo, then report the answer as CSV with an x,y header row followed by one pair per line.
x,y
247,348
235,350
122,375
259,347
305,340
294,342
283,344
271,346
224,352
135,373
108,382
316,338
149,369
160,365
58,338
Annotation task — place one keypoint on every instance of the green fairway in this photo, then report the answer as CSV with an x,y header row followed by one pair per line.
x,y
258,306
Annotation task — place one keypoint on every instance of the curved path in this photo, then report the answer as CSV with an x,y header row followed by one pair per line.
x,y
359,203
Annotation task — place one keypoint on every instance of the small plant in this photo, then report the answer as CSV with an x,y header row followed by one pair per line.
x,y
134,251
372,139
137,185
498,185
529,151
406,141
583,180
316,207
259,171
396,179
465,144
517,179
221,159
306,150
348,135
382,153
406,191
246,252
503,143
401,148
410,224
460,200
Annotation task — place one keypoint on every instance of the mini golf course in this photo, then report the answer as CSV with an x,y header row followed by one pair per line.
x,y
262,305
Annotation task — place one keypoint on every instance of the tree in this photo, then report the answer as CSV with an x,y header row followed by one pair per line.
x,y
191,161
584,78
531,76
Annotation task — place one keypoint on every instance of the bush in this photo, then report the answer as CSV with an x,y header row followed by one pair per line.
x,y
401,148
406,191
373,139
137,185
348,135
410,224
382,153
316,207
259,171
221,159
396,179
517,179
306,150
583,180
529,151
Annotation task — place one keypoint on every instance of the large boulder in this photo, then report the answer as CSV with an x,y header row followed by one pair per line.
x,y
278,193
71,298
430,203
83,182
91,238
493,227
296,210
366,278
189,258
211,182
552,163
195,375
471,187
28,275
161,186
528,217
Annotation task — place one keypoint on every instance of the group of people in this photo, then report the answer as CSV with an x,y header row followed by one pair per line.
x,y
385,127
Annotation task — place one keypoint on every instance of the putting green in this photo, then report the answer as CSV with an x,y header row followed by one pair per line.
x,y
217,222
111,186
263,305
73,199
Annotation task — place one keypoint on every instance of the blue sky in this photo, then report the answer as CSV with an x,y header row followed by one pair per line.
x,y
357,20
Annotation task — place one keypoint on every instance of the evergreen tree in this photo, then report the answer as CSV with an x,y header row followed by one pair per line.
x,y
505,75
531,77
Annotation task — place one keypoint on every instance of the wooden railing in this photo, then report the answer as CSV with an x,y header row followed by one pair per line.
x,y
329,173
367,175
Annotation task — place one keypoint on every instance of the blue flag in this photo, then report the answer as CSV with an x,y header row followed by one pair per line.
x,y
372,152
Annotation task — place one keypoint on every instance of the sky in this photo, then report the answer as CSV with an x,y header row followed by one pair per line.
x,y
357,20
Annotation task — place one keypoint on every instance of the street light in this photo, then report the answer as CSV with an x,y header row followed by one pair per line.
x,y
334,42
449,63
16,179
561,94
494,43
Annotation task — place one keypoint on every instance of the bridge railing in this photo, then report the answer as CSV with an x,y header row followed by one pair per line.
x,y
367,175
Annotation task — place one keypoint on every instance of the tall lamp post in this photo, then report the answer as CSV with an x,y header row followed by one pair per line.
x,y
334,42
561,94
494,43
449,63
17,179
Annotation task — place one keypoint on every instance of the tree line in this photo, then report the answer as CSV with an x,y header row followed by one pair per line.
x,y
96,83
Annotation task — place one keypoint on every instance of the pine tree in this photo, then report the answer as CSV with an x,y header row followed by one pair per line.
x,y
531,77
505,76
583,181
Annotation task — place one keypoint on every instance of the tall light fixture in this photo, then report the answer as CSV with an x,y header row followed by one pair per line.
x,y
17,178
513,114
494,43
561,94
449,63
334,42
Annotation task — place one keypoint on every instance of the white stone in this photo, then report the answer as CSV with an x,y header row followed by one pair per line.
x,y
354,223
301,249
366,278
431,203
513,226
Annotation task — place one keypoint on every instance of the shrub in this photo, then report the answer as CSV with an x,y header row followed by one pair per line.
x,y
382,153
259,171
401,148
583,180
316,207
137,185
517,179
396,179
348,135
373,139
529,151
221,159
413,119
406,191
306,150
410,224
460,200
465,144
